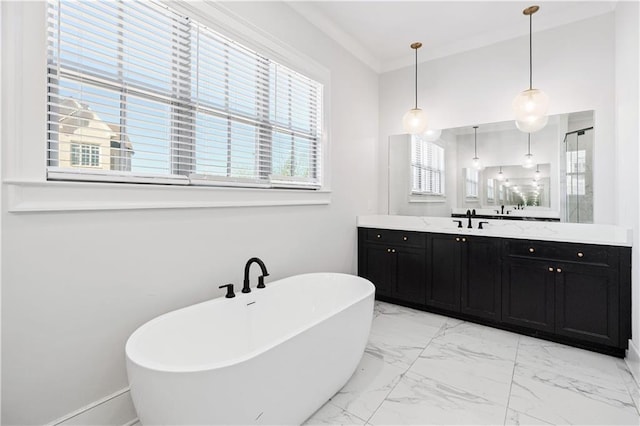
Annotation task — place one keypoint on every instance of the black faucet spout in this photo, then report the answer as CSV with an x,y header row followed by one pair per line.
x,y
469,214
245,287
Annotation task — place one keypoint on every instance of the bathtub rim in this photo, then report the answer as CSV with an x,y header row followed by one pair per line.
x,y
193,368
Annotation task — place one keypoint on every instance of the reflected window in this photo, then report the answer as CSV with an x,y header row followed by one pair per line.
x,y
471,180
490,190
427,166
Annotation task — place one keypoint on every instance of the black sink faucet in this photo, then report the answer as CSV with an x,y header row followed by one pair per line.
x,y
469,218
245,287
502,208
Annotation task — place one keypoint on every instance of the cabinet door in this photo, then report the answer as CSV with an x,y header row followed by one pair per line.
x,y
378,266
443,271
480,279
587,303
410,275
528,293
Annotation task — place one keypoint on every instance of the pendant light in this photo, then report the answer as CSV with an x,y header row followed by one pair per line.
x,y
500,175
415,120
531,105
475,159
528,158
536,175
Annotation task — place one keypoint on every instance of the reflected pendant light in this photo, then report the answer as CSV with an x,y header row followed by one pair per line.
x,y
500,175
528,157
415,120
531,105
475,159
536,175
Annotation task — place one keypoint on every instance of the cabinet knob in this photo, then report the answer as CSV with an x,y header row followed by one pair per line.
x,y
580,254
394,250
531,250
550,269
558,270
378,236
464,240
388,250
405,238
457,238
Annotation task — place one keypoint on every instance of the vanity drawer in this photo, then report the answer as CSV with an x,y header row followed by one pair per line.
x,y
533,249
403,238
584,253
564,252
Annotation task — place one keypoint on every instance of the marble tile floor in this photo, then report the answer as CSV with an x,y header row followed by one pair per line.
x,y
420,368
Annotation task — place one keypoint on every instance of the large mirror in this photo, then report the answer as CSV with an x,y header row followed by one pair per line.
x,y
497,170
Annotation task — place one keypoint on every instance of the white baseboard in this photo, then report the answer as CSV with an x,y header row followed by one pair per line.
x,y
633,361
113,410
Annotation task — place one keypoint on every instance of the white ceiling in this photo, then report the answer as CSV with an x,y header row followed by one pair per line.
x,y
379,33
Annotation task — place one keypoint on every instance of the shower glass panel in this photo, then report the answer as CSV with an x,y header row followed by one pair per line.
x,y
579,175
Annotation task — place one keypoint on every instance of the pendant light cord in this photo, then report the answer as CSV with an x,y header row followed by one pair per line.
x,y
530,52
529,144
416,74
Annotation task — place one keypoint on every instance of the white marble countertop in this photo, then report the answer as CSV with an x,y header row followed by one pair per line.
x,y
534,230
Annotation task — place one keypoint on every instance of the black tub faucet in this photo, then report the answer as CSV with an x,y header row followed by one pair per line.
x,y
245,287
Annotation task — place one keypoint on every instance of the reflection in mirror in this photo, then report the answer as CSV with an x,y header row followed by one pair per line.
x,y
438,178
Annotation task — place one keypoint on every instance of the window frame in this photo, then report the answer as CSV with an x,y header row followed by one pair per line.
x,y
180,93
24,86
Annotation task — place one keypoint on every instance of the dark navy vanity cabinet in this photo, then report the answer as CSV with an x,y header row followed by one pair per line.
x,y
578,294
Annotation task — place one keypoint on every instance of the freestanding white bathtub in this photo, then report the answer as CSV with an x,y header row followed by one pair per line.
x,y
272,356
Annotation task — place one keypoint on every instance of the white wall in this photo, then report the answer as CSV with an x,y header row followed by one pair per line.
x,y
627,190
66,317
573,64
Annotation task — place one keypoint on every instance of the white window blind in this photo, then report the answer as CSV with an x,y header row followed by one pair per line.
x,y
490,189
167,99
471,183
427,164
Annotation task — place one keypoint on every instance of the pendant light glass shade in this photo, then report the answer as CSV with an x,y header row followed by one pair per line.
x,y
500,175
528,161
531,106
415,120
432,135
536,175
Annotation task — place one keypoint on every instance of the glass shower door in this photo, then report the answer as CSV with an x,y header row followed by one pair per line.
x,y
579,176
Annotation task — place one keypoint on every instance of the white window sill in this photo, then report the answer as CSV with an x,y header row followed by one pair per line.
x,y
414,198
44,196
